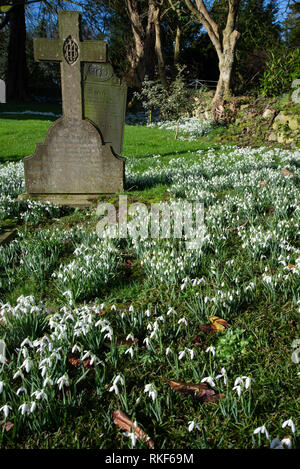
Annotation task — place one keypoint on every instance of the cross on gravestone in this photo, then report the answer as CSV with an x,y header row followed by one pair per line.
x,y
73,165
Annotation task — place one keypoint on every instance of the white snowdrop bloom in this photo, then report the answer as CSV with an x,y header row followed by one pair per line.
x,y
183,321
238,389
193,425
290,424
40,394
146,341
191,352
262,430
17,374
24,408
26,342
130,351
63,381
21,389
211,349
209,380
113,308
148,313
287,443
131,309
117,379
181,354
32,406
2,384
114,388
168,350
130,337
27,364
5,409
76,348
222,375
132,436
151,390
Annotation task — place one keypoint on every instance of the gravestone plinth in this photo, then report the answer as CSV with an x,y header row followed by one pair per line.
x,y
74,165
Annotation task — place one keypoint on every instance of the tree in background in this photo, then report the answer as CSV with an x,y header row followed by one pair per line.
x,y
224,41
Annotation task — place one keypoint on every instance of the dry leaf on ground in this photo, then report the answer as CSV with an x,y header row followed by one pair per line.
x,y
124,422
201,391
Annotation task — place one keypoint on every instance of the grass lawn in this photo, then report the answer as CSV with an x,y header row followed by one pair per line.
x,y
96,325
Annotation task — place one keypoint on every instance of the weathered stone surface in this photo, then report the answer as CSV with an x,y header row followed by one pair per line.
x,y
268,113
105,102
286,119
73,160
2,92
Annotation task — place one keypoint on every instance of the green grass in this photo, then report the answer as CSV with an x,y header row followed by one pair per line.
x,y
270,324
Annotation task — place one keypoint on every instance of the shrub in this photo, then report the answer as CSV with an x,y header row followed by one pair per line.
x,y
282,68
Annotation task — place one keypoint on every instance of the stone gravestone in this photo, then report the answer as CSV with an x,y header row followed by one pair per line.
x,y
2,92
74,165
105,102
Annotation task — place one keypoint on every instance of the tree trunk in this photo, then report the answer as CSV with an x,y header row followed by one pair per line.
x,y
158,45
141,54
16,65
177,45
224,42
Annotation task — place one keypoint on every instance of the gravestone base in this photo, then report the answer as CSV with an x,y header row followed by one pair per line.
x,y
68,200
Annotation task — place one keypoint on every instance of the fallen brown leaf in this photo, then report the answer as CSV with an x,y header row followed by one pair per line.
x,y
201,391
287,172
123,422
216,325
7,425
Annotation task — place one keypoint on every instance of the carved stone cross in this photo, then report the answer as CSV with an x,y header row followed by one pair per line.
x,y
70,52
73,166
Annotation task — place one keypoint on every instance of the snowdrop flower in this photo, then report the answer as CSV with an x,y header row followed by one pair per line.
x,y
113,308
114,388
290,424
24,408
286,442
211,349
21,389
147,342
223,375
132,436
130,337
262,429
27,364
117,379
63,381
168,350
26,341
208,380
148,313
181,354
130,351
191,352
32,407
131,309
2,384
238,389
150,389
40,395
193,425
182,320
76,348
17,374
5,409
